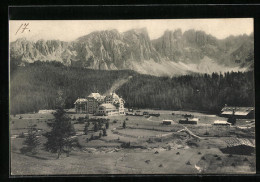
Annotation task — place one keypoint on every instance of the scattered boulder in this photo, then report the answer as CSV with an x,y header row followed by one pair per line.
x,y
156,152
160,165
178,153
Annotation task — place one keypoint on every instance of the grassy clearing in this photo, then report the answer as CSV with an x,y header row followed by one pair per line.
x,y
158,156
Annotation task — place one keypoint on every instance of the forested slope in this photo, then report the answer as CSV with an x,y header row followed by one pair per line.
x,y
35,87
200,92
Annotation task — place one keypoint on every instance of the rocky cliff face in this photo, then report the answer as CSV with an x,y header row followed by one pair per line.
x,y
192,46
175,52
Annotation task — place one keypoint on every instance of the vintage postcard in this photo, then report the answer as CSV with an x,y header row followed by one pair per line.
x,y
160,96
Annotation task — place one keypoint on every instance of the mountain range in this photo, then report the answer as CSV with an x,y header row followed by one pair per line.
x,y
174,53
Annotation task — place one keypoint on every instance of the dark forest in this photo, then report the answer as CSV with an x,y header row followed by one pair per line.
x,y
34,87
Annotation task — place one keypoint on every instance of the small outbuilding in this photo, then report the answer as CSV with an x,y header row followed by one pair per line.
x,y
167,122
189,121
238,112
239,146
221,123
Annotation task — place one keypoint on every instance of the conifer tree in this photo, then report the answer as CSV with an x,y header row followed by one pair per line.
x,y
86,129
124,124
31,141
104,132
59,139
96,128
107,125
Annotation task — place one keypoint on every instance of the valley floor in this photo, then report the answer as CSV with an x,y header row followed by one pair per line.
x,y
155,148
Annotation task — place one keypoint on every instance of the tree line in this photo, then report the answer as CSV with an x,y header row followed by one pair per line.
x,y
34,87
190,92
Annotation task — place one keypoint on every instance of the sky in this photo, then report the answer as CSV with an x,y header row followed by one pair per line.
x,y
69,30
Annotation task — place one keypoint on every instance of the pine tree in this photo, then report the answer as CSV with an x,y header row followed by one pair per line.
x,y
59,139
124,124
107,125
86,129
31,141
96,128
104,132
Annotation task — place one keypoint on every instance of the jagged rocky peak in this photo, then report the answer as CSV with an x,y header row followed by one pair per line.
x,y
110,34
173,51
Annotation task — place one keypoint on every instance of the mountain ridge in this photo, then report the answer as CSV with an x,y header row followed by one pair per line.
x,y
134,50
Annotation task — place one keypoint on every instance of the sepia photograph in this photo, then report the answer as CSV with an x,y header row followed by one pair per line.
x,y
136,96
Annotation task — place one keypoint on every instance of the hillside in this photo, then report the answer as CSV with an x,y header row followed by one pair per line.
x,y
174,53
35,87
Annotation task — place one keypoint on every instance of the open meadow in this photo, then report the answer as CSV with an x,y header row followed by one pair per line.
x,y
153,148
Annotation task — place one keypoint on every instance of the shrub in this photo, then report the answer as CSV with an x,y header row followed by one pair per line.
x,y
104,132
21,135
96,127
125,145
92,137
124,125
107,125
219,159
115,121
86,129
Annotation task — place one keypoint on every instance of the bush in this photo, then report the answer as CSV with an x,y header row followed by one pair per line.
x,y
92,137
104,132
96,127
21,135
124,125
219,159
115,121
26,150
81,120
125,145
188,163
107,125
